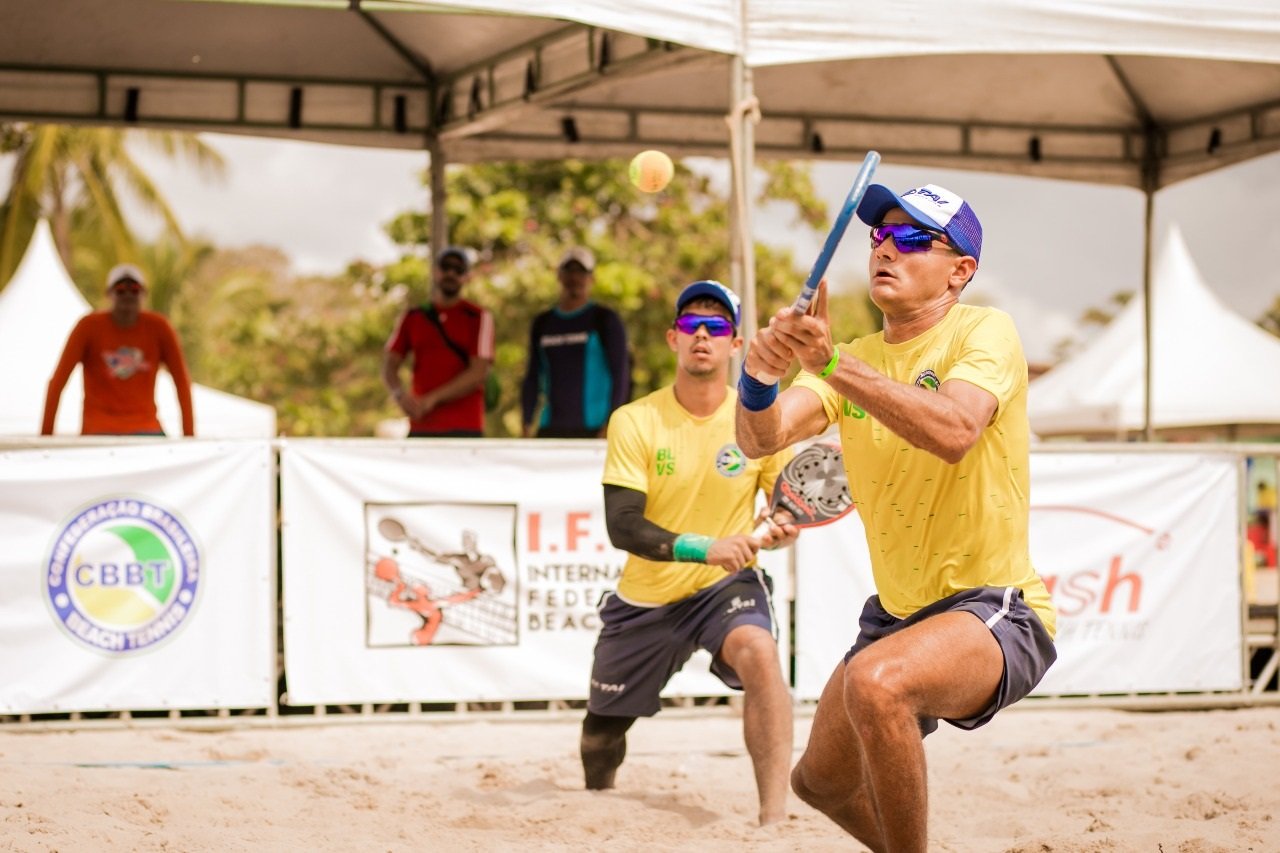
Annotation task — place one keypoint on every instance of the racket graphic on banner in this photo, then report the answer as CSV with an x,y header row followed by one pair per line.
x,y
859,188
813,487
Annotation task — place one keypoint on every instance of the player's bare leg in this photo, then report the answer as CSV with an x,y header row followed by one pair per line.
x,y
831,775
947,666
766,718
603,746
431,619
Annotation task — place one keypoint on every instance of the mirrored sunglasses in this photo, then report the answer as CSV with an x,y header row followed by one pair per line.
x,y
716,326
907,236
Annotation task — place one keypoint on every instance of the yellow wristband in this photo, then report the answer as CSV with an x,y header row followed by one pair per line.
x,y
831,365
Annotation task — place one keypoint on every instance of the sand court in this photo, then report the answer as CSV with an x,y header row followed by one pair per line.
x,y
1033,780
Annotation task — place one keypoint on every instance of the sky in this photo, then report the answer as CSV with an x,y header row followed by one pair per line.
x,y
1051,249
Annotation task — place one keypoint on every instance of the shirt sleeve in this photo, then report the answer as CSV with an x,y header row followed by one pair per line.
x,y
990,357
626,461
829,397
171,355
72,354
399,342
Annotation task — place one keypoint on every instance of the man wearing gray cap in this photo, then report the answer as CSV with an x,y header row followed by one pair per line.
x,y
932,416
450,340
578,365
121,350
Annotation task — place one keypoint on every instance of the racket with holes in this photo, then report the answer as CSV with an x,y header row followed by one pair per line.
x,y
813,487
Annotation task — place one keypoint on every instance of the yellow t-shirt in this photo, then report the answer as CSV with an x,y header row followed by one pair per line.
x,y
695,480
933,528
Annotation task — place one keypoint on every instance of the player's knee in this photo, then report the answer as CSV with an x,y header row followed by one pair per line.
x,y
804,785
603,747
874,687
753,655
605,729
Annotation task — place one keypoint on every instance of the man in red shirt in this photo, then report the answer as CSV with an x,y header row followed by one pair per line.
x,y
120,350
451,340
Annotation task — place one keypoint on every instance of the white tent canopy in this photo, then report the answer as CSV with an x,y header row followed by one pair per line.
x,y
1092,90
1211,365
1141,93
38,309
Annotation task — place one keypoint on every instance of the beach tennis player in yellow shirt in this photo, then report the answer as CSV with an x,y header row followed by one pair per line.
x,y
680,497
933,423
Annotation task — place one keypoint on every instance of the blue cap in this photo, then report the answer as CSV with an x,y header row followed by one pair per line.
x,y
714,290
932,206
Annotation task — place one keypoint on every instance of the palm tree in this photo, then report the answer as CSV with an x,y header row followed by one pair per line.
x,y
77,177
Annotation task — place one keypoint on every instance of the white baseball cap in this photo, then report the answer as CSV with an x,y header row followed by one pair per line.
x,y
125,272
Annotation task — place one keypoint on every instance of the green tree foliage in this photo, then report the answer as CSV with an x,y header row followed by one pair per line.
x,y
520,217
310,346
78,178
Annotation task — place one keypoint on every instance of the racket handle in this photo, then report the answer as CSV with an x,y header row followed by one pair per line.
x,y
767,379
761,529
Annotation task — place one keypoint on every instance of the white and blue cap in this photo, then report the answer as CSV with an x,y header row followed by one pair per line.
x,y
932,206
712,290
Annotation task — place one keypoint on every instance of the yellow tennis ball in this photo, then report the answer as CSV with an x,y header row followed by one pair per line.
x,y
651,171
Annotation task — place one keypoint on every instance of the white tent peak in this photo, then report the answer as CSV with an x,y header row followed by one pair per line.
x,y
1207,363
38,309
29,291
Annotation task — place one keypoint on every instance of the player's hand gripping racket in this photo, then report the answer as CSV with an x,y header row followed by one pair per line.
x,y
860,183
813,487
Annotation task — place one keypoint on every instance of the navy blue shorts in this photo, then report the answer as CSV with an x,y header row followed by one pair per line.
x,y
1027,647
640,648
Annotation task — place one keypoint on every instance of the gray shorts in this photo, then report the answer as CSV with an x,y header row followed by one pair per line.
x,y
640,648
1028,649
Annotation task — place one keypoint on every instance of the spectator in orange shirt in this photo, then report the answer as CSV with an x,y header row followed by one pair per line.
x,y
120,350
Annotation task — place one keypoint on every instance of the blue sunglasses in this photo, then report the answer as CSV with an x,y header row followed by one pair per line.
x,y
716,326
907,236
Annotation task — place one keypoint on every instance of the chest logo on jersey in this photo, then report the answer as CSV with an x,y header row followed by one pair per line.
x,y
125,361
730,461
928,380
664,463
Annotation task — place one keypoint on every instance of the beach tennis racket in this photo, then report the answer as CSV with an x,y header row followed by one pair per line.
x,y
813,487
393,530
859,188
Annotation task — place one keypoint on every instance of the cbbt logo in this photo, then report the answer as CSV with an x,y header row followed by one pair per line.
x,y
122,575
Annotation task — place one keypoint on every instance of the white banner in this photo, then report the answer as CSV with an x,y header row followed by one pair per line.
x,y
1140,551
137,577
447,571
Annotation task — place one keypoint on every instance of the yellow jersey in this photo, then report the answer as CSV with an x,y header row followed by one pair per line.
x,y
933,528
695,480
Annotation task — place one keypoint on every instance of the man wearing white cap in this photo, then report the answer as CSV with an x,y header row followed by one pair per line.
x,y
577,363
120,350
932,414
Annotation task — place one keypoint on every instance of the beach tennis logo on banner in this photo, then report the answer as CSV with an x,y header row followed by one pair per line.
x,y
123,575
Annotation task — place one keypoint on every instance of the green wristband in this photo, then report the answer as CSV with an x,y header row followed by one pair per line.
x,y
691,548
831,365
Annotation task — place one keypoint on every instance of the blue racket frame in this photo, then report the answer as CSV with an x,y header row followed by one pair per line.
x,y
860,183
